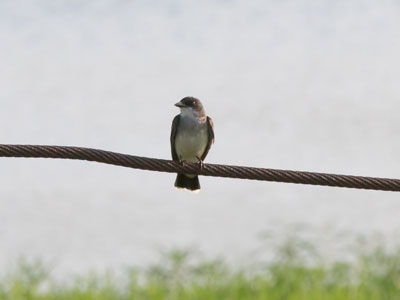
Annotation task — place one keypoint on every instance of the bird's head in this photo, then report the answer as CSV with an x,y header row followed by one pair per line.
x,y
190,105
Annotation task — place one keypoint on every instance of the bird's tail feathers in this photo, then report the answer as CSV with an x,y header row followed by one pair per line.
x,y
190,183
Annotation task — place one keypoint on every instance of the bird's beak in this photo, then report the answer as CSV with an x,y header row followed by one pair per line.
x,y
179,104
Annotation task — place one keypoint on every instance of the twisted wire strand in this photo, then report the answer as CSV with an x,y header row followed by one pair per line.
x,y
216,170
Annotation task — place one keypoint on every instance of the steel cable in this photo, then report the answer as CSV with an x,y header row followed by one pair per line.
x,y
162,165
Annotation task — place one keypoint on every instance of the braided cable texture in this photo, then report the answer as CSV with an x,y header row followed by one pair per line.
x,y
162,165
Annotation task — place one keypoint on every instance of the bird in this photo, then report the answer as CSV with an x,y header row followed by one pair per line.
x,y
192,134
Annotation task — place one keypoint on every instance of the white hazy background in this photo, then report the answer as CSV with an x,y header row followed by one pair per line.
x,y
302,85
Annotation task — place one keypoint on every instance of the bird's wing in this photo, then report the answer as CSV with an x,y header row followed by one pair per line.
x,y
174,129
211,137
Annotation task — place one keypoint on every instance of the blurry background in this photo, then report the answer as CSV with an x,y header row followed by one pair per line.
x,y
300,85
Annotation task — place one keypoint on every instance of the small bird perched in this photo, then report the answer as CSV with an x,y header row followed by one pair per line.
x,y
192,134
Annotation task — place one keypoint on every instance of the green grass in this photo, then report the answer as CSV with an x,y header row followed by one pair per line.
x,y
373,275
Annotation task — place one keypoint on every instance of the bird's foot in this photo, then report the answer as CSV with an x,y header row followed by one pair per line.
x,y
182,162
201,163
